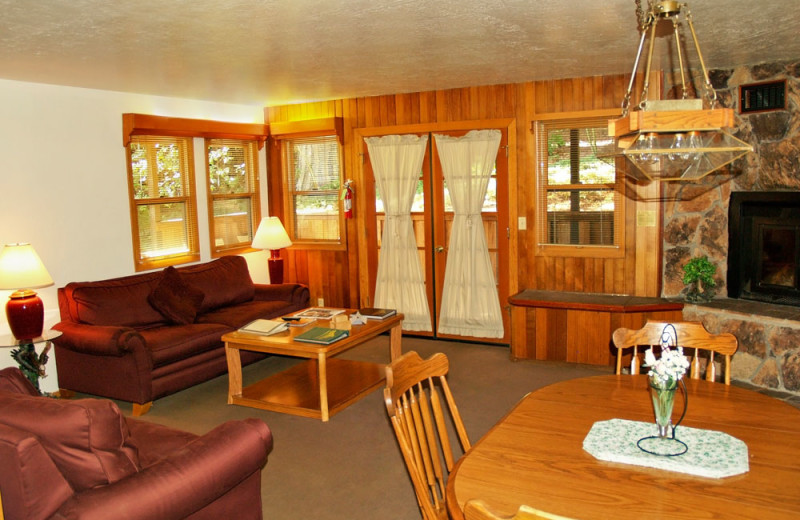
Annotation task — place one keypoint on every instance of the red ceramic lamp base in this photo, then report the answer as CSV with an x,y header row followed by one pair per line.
x,y
25,313
275,266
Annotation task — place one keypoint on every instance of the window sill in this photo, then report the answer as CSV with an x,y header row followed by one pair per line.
x,y
318,246
580,251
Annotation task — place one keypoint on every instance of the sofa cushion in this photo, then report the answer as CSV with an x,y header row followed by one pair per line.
x,y
175,299
87,439
239,315
178,342
118,301
224,281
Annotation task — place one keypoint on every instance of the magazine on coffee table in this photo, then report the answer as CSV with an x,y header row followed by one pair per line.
x,y
265,327
294,321
320,313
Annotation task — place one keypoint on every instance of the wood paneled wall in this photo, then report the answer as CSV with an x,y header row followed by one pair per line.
x,y
334,275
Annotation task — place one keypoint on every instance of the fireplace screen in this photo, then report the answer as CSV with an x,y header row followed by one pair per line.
x,y
777,262
764,248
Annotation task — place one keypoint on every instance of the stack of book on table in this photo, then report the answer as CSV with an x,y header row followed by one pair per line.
x,y
373,313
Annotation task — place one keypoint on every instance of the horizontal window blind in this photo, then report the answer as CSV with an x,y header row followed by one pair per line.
x,y
162,199
578,202
313,181
233,187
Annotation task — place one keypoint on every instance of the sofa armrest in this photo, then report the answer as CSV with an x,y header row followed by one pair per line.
x,y
293,293
185,482
100,340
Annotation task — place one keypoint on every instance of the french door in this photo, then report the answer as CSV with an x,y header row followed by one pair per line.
x,y
432,218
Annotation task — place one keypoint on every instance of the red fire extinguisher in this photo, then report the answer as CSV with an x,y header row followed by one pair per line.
x,y
347,196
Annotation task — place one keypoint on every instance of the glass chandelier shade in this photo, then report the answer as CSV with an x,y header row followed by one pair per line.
x,y
674,140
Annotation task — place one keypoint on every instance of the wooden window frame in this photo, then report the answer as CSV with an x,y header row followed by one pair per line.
x,y
576,250
188,198
288,132
253,194
145,124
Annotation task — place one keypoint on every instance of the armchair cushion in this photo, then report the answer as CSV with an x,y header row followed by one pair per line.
x,y
87,439
33,488
175,299
14,381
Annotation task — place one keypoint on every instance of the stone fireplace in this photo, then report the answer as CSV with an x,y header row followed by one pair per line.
x,y
696,219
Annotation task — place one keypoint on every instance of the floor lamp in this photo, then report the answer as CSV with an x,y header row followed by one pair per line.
x,y
271,235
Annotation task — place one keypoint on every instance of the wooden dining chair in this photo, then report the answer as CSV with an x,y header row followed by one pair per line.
x,y
478,510
691,335
415,408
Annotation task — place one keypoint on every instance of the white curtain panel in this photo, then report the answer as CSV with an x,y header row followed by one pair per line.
x,y
470,304
397,163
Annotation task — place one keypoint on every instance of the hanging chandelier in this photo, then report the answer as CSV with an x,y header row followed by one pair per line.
x,y
681,139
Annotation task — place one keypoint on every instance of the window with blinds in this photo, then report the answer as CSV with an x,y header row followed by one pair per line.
x,y
233,198
579,202
313,181
162,200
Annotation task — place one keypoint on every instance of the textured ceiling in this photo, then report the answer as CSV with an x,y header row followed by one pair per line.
x,y
268,52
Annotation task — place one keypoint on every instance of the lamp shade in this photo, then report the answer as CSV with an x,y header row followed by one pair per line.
x,y
21,268
271,235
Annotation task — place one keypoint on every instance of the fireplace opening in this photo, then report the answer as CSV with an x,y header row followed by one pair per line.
x,y
764,247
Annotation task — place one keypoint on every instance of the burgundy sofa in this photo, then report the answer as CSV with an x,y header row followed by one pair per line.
x,y
81,459
144,336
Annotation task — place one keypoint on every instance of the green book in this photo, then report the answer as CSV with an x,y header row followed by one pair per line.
x,y
322,335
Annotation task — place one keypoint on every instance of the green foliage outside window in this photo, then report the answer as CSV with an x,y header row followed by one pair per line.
x,y
227,169
166,180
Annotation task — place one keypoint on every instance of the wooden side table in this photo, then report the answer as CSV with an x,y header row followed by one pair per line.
x,y
24,353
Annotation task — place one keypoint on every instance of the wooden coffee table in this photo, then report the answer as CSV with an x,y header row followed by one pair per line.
x,y
319,387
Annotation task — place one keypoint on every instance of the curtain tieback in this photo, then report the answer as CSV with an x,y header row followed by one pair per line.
x,y
393,220
472,217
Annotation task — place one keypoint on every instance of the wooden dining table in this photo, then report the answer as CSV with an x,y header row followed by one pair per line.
x,y
535,456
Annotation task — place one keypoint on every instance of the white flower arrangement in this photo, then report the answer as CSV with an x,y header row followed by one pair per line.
x,y
667,371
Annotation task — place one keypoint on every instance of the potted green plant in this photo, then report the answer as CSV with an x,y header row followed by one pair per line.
x,y
699,276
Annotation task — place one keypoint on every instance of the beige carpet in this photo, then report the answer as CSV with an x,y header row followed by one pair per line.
x,y
350,467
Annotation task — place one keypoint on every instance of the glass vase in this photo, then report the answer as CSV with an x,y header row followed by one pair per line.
x,y
663,401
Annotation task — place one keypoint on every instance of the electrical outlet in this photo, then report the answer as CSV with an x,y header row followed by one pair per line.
x,y
320,302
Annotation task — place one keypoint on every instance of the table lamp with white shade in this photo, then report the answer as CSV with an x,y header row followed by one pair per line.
x,y
272,235
22,270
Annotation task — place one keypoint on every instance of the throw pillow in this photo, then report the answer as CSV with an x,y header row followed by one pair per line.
x,y
175,299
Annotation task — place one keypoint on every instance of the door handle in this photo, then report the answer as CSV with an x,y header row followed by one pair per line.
x,y
439,249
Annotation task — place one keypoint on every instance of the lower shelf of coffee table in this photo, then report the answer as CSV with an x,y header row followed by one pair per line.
x,y
296,390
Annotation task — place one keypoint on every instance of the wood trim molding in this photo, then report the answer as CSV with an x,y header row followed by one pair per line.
x,y
582,114
145,124
309,127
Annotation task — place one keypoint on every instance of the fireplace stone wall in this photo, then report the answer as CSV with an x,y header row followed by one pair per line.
x,y
696,224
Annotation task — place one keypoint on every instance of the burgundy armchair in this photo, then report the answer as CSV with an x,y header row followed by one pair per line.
x,y
82,459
